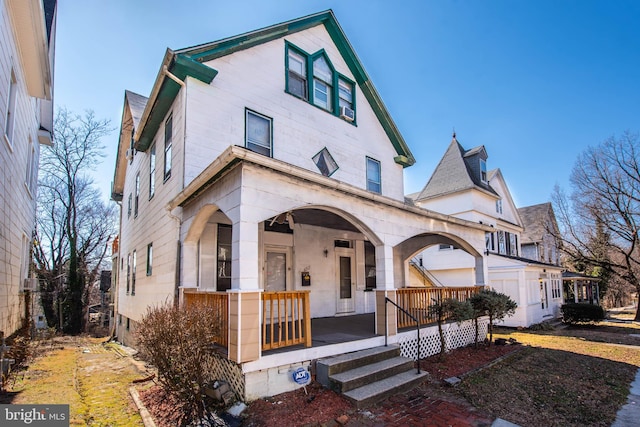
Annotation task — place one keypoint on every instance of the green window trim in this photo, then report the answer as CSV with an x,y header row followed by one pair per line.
x,y
336,77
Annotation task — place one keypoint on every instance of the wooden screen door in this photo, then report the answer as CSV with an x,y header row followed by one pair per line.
x,y
346,283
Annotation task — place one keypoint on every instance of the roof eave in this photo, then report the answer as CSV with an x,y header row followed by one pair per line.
x,y
209,51
164,92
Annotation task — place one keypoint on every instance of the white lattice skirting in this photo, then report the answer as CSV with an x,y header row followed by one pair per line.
x,y
455,336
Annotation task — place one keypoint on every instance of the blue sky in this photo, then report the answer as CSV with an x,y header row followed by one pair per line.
x,y
535,82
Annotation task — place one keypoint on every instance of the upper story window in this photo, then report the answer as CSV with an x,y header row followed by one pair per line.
x,y
168,137
374,180
129,205
312,77
136,201
297,66
31,178
152,171
258,135
11,109
149,259
483,170
325,163
322,84
499,206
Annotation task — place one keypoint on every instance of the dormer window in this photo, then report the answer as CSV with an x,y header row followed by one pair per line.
x,y
297,83
322,82
311,77
483,171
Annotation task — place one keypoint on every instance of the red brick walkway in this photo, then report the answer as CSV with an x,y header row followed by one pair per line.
x,y
423,406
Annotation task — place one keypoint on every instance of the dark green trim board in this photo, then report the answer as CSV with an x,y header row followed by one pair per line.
x,y
209,51
181,66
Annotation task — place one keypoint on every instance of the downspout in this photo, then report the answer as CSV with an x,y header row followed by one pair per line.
x,y
173,77
176,290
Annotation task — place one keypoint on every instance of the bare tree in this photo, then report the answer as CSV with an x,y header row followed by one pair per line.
x,y
73,224
600,220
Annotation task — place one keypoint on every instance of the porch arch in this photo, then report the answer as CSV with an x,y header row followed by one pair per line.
x,y
308,210
193,250
416,244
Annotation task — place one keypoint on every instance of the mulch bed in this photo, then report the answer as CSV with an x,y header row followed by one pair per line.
x,y
320,406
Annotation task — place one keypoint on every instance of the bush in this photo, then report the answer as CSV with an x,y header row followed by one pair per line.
x,y
581,313
178,341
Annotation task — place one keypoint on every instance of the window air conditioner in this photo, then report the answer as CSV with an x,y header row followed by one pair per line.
x,y
347,113
30,284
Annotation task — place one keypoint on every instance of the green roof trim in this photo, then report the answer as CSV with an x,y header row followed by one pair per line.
x,y
209,51
182,67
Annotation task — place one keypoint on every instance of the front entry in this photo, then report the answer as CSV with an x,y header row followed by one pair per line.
x,y
346,282
276,270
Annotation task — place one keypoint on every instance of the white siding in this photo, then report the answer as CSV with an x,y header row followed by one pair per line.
x,y
17,204
152,225
255,79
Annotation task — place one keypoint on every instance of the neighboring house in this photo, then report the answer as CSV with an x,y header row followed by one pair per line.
x,y
539,241
27,35
265,174
462,186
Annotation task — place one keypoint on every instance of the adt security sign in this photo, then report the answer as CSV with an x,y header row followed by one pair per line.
x,y
301,376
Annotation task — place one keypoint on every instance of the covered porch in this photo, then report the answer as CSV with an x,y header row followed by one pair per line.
x,y
580,288
287,324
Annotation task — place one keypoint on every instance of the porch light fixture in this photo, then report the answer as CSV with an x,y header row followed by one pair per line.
x,y
325,252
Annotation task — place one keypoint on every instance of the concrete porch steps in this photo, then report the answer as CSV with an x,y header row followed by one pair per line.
x,y
368,376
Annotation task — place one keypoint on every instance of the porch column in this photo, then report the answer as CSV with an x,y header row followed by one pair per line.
x,y
244,295
575,290
480,271
244,325
385,288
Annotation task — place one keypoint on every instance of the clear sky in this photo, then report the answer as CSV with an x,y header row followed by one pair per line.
x,y
535,82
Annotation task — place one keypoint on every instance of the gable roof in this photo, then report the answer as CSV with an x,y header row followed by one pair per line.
x,y
134,106
189,61
535,219
455,172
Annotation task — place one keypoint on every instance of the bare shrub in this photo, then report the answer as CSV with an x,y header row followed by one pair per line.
x,y
178,341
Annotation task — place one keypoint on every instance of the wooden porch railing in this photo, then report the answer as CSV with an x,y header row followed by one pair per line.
x,y
286,319
220,302
417,302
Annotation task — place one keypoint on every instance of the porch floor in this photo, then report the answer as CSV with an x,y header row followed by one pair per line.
x,y
335,330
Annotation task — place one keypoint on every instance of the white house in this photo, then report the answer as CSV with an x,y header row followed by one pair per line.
x,y
462,186
265,174
27,39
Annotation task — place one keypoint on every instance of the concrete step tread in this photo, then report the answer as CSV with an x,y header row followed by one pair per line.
x,y
379,389
373,368
360,354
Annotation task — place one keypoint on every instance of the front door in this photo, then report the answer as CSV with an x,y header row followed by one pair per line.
x,y
346,283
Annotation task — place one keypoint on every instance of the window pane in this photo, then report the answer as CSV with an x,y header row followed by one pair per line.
x,y
223,276
325,162
321,95
321,70
373,175
345,94
258,133
297,63
297,86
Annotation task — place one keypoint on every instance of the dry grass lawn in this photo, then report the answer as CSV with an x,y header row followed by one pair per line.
x,y
579,376
85,374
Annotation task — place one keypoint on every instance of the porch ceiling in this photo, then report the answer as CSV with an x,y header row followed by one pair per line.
x,y
322,218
